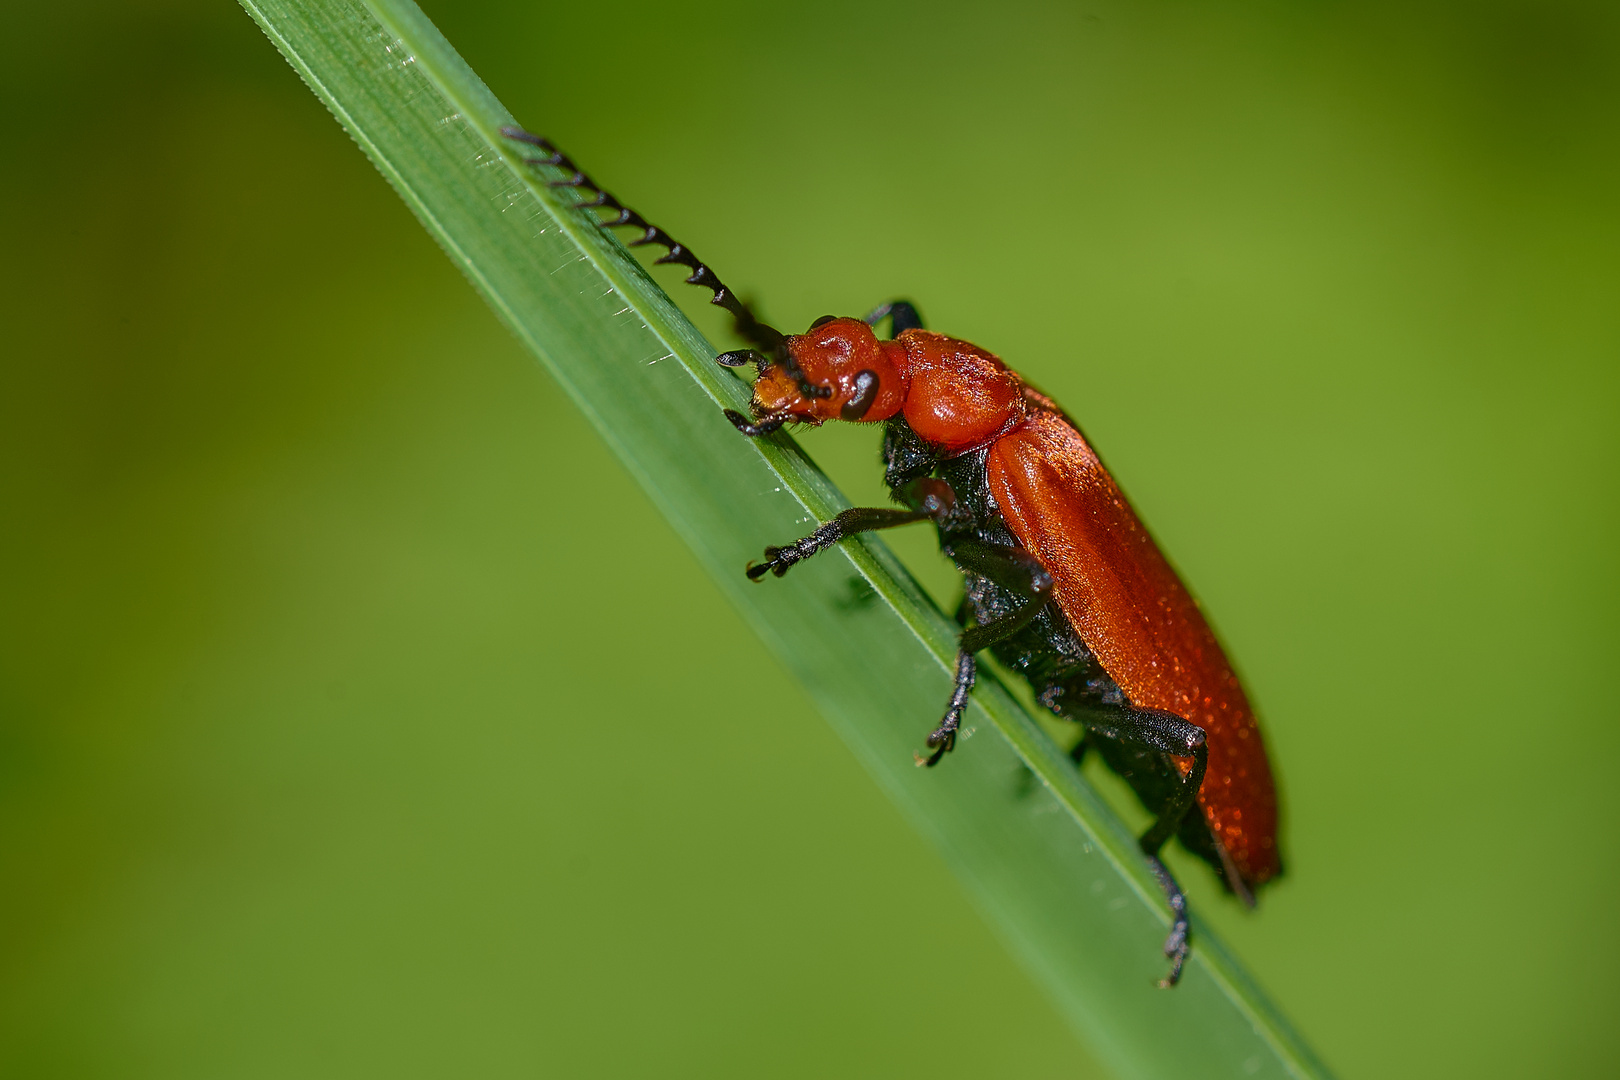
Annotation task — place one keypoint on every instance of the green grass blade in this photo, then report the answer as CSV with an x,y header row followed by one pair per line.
x,y
1051,866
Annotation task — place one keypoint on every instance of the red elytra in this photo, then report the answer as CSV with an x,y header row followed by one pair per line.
x,y
1128,604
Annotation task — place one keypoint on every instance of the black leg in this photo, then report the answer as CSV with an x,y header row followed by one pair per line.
x,y
934,500
1175,946
1153,729
739,357
860,519
1169,734
750,428
927,497
942,740
1013,569
902,315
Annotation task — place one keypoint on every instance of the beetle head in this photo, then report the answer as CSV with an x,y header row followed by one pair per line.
x,y
837,370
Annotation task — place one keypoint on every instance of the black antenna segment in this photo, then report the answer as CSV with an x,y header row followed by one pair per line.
x,y
767,337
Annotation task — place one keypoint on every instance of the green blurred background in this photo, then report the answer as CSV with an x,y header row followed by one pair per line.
x,y
358,716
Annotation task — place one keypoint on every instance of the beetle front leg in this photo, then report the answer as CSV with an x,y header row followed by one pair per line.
x,y
928,498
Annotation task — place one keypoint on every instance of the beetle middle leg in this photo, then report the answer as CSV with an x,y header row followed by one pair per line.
x,y
1013,569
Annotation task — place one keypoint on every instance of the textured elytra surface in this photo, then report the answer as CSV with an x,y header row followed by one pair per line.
x,y
1133,611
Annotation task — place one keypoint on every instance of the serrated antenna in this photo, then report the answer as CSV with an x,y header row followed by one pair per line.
x,y
767,337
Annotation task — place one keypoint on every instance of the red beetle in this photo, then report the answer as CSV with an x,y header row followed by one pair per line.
x,y
1063,583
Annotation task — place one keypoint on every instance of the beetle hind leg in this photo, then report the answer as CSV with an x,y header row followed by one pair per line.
x,y
1165,733
1153,841
1175,946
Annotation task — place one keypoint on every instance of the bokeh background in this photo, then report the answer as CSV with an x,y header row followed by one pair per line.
x,y
358,716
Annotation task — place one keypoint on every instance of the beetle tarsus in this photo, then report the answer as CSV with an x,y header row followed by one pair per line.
x,y
739,357
751,429
773,564
942,740
1176,945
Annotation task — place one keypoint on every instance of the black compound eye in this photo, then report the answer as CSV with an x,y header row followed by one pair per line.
x,y
866,392
823,321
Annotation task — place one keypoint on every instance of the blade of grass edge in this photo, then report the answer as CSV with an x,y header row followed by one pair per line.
x,y
1051,866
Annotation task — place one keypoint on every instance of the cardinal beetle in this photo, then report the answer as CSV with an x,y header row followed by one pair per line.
x,y
1063,584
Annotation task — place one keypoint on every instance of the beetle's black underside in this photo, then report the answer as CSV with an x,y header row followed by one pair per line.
x,y
1047,652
